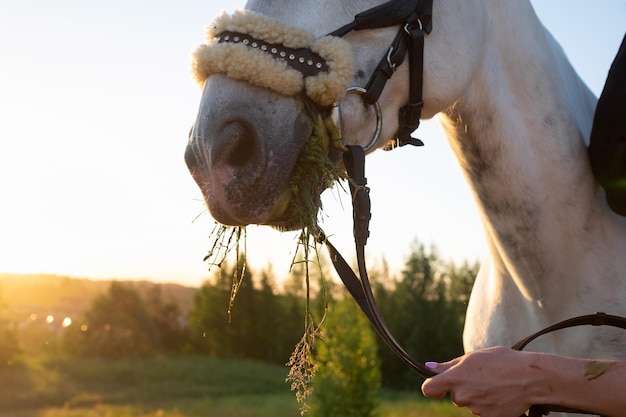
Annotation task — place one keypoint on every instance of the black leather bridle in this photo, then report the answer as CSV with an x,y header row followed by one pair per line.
x,y
414,18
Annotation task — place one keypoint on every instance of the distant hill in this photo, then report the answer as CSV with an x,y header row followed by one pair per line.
x,y
62,296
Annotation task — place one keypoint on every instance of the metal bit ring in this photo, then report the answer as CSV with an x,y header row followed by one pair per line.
x,y
336,116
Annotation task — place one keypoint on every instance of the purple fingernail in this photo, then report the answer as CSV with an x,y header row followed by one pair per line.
x,y
431,365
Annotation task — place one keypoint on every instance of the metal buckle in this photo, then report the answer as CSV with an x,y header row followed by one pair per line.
x,y
336,117
391,64
408,27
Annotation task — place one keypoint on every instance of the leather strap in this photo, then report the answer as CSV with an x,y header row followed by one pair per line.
x,y
304,60
385,69
410,114
415,18
392,13
360,289
597,319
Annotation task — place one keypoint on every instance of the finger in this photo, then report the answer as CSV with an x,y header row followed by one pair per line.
x,y
433,388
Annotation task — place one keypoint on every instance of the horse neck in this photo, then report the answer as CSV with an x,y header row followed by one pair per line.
x,y
519,133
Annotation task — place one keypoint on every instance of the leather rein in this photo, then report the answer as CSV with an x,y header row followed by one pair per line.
x,y
414,18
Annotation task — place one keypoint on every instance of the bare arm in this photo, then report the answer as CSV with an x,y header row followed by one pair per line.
x,y
499,382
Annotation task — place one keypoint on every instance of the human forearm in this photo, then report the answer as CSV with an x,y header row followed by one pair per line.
x,y
592,385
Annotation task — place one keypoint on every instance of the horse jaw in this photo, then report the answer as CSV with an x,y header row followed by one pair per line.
x,y
242,149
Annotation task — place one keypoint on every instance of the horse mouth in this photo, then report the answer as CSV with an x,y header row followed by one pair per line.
x,y
269,191
316,169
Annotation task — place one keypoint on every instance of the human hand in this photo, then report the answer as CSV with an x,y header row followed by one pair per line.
x,y
492,382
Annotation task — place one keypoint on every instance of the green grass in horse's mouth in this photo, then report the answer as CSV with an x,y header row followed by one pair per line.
x,y
313,173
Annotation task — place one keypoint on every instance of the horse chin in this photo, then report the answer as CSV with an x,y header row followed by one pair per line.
x,y
239,203
285,213
296,207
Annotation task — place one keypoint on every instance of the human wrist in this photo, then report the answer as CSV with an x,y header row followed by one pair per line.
x,y
560,380
543,373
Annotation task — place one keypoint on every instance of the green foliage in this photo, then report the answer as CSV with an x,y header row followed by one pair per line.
x,y
409,404
9,343
313,172
120,323
87,382
167,317
168,386
349,376
424,306
260,325
425,309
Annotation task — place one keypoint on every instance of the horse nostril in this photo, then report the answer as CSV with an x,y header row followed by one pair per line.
x,y
236,145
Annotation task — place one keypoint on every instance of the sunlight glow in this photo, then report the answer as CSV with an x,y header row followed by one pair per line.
x,y
91,158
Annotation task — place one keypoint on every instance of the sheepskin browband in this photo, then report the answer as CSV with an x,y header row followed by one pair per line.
x,y
250,47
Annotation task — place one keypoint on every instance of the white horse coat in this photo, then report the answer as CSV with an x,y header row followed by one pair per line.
x,y
517,117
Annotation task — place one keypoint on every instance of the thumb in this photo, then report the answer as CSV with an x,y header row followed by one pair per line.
x,y
437,386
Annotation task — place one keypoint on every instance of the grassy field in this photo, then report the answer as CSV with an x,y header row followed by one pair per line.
x,y
181,386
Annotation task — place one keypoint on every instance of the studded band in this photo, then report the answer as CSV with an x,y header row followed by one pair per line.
x,y
301,59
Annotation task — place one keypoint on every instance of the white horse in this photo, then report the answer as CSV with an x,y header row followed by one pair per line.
x,y
517,117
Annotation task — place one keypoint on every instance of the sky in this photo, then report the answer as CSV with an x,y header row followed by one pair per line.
x,y
96,102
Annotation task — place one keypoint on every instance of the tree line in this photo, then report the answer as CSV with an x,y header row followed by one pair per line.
x,y
424,305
